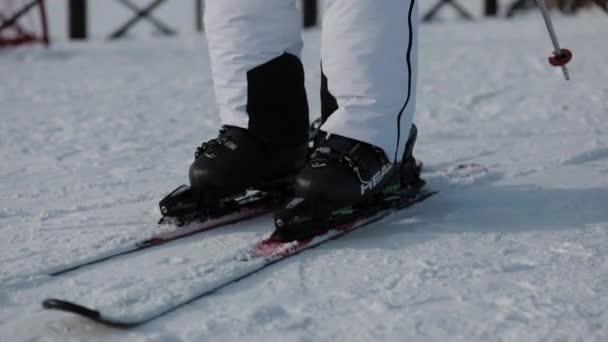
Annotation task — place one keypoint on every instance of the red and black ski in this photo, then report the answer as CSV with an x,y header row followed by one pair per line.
x,y
234,267
250,206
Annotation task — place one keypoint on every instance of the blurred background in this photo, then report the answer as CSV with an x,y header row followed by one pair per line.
x,y
82,19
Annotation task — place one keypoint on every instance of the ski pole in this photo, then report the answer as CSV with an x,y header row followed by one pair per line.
x,y
560,56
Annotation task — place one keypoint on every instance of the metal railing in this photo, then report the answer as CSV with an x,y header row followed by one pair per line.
x,y
77,13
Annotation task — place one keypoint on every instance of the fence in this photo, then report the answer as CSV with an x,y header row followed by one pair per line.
x,y
77,12
16,29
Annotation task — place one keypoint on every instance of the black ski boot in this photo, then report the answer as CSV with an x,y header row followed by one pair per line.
x,y
343,176
265,156
236,161
223,171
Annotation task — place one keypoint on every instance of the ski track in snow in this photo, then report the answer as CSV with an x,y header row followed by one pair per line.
x,y
513,248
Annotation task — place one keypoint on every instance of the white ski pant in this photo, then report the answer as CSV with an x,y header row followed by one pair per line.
x,y
368,53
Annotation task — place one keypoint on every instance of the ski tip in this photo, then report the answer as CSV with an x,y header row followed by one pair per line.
x,y
93,315
62,305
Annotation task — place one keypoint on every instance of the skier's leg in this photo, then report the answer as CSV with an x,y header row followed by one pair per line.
x,y
259,86
369,58
368,98
254,47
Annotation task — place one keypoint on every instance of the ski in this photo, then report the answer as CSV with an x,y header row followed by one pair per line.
x,y
212,277
247,207
181,212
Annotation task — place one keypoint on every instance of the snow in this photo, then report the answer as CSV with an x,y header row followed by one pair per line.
x,y
514,248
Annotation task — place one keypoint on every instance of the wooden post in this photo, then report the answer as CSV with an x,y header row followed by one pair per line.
x,y
44,23
199,9
309,10
491,8
77,16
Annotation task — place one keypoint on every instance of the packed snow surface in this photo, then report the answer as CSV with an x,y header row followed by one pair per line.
x,y
514,248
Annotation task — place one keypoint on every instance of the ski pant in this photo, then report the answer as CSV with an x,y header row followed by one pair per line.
x,y
368,59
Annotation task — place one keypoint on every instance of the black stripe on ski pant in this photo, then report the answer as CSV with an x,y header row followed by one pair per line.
x,y
409,77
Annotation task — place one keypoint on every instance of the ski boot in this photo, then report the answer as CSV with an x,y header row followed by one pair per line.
x,y
343,178
265,156
232,170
